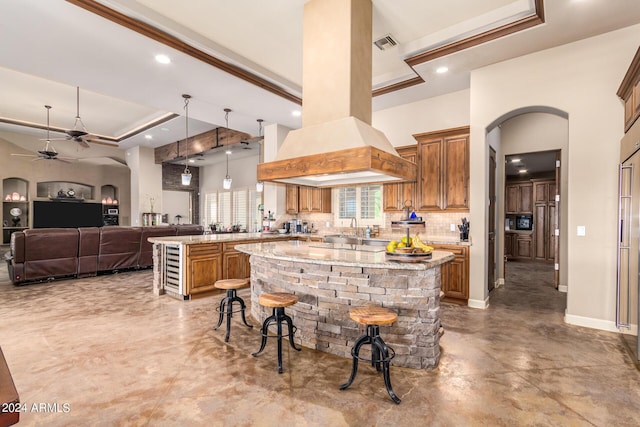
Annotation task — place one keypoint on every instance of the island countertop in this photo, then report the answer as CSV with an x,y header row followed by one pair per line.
x,y
339,254
216,238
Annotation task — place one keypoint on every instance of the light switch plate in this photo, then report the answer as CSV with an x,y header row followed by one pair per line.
x,y
581,230
452,227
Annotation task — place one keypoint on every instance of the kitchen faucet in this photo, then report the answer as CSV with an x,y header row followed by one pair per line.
x,y
354,225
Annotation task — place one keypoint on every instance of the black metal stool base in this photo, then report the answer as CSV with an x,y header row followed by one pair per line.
x,y
278,316
381,355
226,307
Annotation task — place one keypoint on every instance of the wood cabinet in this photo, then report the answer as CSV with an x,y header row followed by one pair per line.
x,y
455,274
291,199
394,196
303,199
443,170
235,264
203,267
519,198
629,92
544,192
519,245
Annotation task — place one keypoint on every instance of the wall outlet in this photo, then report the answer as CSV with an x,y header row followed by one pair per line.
x,y
327,224
581,230
452,227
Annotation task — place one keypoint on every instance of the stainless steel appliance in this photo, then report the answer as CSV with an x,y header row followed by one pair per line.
x,y
524,222
628,279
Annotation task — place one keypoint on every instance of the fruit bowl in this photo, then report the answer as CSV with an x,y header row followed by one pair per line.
x,y
408,251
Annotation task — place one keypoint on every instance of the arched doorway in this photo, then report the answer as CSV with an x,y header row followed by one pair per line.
x,y
539,132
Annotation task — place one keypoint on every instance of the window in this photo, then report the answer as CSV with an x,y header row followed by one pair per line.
x,y
237,207
363,202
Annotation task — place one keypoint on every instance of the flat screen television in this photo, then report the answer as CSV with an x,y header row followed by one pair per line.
x,y
56,214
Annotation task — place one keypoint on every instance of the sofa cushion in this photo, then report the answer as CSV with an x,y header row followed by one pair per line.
x,y
146,247
119,248
88,249
50,252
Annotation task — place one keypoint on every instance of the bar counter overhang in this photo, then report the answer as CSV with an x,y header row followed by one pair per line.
x,y
331,279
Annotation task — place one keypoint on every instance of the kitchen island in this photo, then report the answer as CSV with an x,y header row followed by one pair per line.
x,y
330,279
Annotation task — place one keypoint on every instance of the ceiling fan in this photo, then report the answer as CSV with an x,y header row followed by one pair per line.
x,y
79,132
48,152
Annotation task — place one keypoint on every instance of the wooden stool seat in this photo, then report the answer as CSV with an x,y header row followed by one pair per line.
x,y
373,316
277,300
231,283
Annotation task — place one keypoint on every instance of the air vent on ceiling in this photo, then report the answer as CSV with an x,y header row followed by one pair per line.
x,y
386,42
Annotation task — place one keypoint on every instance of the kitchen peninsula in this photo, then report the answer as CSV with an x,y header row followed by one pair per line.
x,y
330,279
187,265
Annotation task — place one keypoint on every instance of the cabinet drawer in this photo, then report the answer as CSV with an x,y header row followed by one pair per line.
x,y
203,250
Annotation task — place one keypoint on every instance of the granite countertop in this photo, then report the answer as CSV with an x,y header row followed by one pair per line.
x,y
213,238
339,254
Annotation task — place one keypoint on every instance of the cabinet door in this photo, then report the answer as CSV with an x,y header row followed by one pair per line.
x,y
526,198
508,244
395,195
511,198
455,274
391,197
304,199
455,173
430,184
236,265
541,228
540,192
203,273
292,199
524,247
551,233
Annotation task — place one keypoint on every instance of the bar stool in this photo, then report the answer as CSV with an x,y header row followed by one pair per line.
x,y
278,301
226,305
373,318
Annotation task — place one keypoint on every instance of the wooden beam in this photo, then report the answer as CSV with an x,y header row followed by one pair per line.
x,y
216,138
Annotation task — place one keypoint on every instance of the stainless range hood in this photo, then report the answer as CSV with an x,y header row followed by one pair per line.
x,y
336,144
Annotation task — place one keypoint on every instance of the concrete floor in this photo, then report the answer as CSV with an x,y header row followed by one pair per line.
x,y
108,352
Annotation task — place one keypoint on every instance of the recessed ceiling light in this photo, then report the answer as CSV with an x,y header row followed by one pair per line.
x,y
163,59
296,113
191,161
148,137
515,160
228,152
522,171
442,70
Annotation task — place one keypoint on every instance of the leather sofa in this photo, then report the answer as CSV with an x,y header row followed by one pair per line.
x,y
49,253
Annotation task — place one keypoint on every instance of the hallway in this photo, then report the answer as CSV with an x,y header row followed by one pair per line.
x,y
118,355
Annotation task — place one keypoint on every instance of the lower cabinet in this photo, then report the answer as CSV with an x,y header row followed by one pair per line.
x,y
519,245
235,263
203,264
455,274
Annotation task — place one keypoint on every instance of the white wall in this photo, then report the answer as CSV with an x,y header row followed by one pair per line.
x,y
146,182
441,112
176,203
581,79
242,172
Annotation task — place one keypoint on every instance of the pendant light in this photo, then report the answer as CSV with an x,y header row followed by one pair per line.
x,y
260,184
226,184
186,175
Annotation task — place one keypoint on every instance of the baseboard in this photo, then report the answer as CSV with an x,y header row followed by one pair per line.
x,y
499,282
476,303
631,330
590,322
563,288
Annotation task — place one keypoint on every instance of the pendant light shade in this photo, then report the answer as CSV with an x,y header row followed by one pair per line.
x,y
226,183
186,175
260,184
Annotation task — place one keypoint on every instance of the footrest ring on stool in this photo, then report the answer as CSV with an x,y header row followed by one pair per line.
x,y
283,333
390,352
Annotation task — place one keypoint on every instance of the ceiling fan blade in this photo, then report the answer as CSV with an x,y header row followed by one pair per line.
x,y
81,142
23,155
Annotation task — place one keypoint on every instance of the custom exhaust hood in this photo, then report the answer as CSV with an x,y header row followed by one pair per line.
x,y
336,144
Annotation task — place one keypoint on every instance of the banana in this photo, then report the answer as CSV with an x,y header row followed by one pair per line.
x,y
419,244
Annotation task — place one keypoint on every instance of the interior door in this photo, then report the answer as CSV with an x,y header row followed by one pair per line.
x,y
491,226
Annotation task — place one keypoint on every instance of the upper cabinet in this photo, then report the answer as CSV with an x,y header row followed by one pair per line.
x,y
394,196
302,199
519,198
443,170
629,92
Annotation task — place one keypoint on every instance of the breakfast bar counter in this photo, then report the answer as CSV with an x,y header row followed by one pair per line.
x,y
330,279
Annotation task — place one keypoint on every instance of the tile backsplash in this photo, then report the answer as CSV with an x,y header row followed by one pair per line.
x,y
436,224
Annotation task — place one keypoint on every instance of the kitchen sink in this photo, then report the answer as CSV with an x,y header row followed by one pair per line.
x,y
354,240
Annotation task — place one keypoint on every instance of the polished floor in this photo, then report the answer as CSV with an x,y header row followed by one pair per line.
x,y
105,351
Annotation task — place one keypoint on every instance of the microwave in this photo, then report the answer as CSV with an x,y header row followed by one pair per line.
x,y
112,211
524,222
